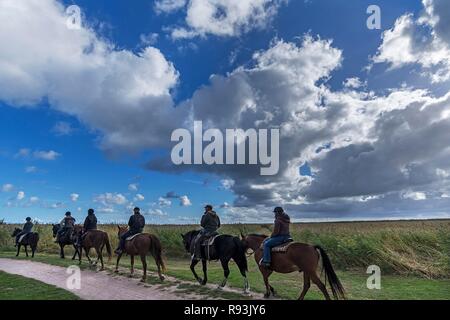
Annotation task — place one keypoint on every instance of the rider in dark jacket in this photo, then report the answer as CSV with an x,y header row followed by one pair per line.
x,y
210,224
90,223
136,225
279,235
27,227
67,225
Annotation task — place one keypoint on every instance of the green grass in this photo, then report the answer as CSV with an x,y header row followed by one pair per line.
x,y
288,286
14,287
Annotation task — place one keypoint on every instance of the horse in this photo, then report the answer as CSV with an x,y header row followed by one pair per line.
x,y
96,239
30,239
297,257
64,240
225,248
140,245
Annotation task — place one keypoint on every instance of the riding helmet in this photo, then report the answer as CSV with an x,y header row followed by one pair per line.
x,y
278,210
68,213
90,211
28,219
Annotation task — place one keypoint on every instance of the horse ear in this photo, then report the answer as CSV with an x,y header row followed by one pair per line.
x,y
242,236
182,235
118,227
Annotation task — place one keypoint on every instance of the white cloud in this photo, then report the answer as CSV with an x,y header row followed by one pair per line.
x,y
46,155
133,187
31,169
23,153
74,197
7,187
20,195
34,199
164,202
139,197
113,91
423,41
168,6
108,199
359,145
414,195
149,39
63,128
184,201
155,212
225,17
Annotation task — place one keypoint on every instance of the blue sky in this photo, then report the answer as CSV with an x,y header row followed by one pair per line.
x,y
89,168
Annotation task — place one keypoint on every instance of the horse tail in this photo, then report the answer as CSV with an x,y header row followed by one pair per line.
x,y
240,258
108,247
156,251
336,287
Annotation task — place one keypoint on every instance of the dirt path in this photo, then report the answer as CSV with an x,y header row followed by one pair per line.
x,y
94,285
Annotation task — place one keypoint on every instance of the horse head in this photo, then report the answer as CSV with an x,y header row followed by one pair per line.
x,y
16,232
253,241
121,230
55,229
187,239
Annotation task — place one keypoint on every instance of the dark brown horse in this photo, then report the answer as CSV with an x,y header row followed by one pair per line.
x,y
140,245
31,239
96,239
64,240
298,257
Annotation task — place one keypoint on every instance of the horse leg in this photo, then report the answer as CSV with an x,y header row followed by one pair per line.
x,y
117,263
193,264
86,250
18,249
100,256
144,266
205,272
306,285
315,279
33,250
61,253
26,250
266,274
226,272
132,265
244,274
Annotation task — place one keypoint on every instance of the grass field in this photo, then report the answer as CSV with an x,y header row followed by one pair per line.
x,y
414,256
14,287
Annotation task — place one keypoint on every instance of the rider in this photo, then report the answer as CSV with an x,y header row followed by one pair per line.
x,y
210,224
279,235
90,223
136,224
66,224
26,229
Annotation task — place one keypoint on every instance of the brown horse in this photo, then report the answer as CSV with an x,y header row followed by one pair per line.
x,y
92,239
298,257
141,245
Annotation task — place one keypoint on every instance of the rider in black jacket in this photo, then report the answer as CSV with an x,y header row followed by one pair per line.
x,y
136,225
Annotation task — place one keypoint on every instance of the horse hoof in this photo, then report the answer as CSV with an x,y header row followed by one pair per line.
x,y
203,283
267,295
116,271
161,278
200,281
142,280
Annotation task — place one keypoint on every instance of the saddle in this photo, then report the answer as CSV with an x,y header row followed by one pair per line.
x,y
282,248
23,236
133,236
208,243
